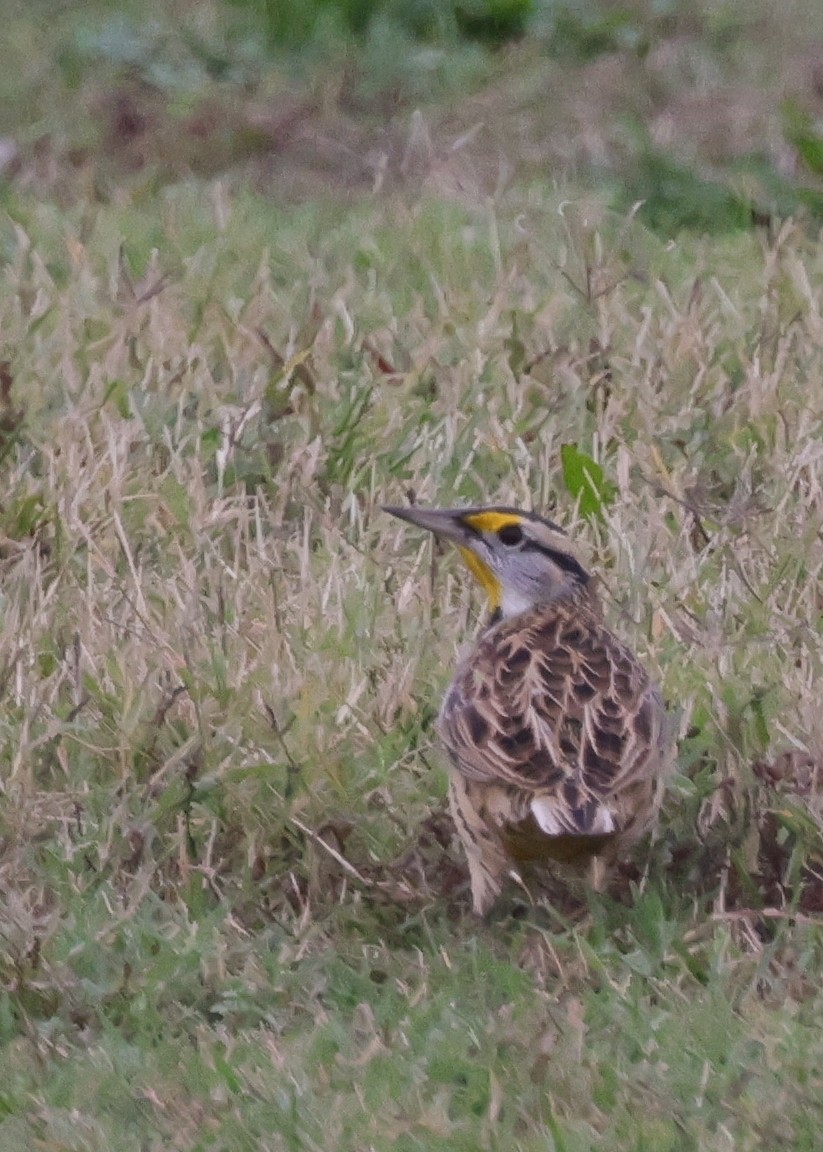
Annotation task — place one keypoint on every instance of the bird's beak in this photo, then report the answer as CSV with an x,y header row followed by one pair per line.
x,y
447,523
450,524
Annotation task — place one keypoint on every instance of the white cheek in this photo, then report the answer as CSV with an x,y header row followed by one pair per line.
x,y
514,602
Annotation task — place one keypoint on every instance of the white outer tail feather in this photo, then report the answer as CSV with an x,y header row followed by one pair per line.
x,y
545,813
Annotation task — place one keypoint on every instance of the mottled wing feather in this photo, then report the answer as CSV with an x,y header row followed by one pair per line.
x,y
553,705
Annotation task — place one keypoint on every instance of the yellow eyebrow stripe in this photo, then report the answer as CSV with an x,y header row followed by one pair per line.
x,y
491,521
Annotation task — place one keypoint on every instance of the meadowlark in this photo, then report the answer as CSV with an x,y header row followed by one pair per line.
x,y
555,733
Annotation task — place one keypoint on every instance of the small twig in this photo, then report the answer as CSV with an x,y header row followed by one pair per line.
x,y
280,734
771,914
584,294
697,521
335,855
166,705
293,769
78,708
661,490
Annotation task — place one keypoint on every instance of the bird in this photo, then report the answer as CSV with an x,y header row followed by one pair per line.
x,y
556,734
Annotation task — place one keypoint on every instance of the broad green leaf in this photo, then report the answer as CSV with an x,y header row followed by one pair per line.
x,y
585,481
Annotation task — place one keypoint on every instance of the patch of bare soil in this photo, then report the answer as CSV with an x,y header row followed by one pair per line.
x,y
534,117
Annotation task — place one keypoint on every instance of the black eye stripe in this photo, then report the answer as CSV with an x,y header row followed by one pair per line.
x,y
561,559
568,564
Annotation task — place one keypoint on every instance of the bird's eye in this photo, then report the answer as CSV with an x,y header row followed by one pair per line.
x,y
511,535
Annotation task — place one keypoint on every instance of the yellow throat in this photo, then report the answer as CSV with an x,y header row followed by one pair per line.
x,y
484,576
487,522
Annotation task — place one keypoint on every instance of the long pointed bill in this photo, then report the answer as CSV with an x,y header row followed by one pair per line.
x,y
447,523
450,524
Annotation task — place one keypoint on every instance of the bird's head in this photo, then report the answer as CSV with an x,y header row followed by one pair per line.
x,y
520,559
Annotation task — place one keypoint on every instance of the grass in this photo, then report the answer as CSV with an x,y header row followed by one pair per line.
x,y
221,665
233,914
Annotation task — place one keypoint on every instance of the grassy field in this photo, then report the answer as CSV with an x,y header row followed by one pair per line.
x,y
233,914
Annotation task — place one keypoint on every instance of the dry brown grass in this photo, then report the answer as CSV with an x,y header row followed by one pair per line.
x,y
196,582
232,912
